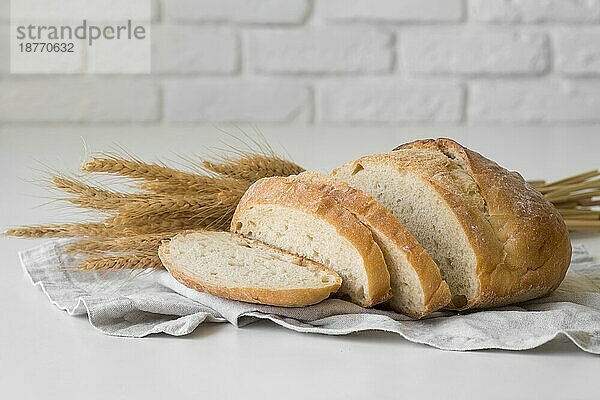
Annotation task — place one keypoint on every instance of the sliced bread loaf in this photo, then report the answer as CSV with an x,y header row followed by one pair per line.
x,y
230,266
417,286
305,221
496,240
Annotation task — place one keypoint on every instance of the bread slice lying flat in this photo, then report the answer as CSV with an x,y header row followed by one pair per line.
x,y
230,266
496,240
417,285
305,221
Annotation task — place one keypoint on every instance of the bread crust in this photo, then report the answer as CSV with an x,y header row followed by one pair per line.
x,y
527,250
286,193
280,298
435,291
520,241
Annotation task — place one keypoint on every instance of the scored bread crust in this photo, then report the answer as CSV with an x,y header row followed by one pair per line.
x,y
525,250
274,297
436,292
285,192
519,239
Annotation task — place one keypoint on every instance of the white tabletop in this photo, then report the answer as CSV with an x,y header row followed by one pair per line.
x,y
45,353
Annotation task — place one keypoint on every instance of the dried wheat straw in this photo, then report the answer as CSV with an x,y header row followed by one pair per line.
x,y
64,230
574,197
141,170
153,224
89,196
253,167
173,201
204,185
574,179
585,225
127,261
571,187
137,243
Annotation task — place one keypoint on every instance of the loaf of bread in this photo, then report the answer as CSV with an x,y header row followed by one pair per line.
x,y
303,220
230,266
429,225
417,286
496,239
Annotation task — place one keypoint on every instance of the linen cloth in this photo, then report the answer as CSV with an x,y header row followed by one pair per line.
x,y
137,304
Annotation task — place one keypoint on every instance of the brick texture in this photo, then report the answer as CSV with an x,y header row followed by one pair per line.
x,y
389,101
578,52
232,100
72,100
4,49
535,11
535,102
390,10
243,11
473,51
338,50
4,10
334,61
191,49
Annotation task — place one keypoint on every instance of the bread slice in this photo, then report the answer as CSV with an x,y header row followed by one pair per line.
x,y
230,266
305,221
417,285
496,240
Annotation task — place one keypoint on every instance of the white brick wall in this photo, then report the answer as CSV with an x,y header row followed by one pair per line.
x,y
4,10
4,50
459,62
387,100
331,50
189,101
240,11
194,49
578,51
535,102
535,11
390,10
77,100
473,51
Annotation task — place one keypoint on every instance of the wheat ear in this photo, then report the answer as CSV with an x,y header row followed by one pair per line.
x,y
151,224
126,261
253,167
89,196
138,243
141,170
204,185
96,229
173,201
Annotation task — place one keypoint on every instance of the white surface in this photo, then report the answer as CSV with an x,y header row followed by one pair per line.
x,y
45,353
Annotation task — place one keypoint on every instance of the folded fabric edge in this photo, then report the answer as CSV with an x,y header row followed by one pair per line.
x,y
539,341
47,252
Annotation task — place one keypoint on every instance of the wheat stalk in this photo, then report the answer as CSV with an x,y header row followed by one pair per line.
x,y
253,167
171,201
140,170
89,196
203,185
126,261
92,229
140,243
574,197
180,206
167,223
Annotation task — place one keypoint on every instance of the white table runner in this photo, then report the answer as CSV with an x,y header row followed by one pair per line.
x,y
123,303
